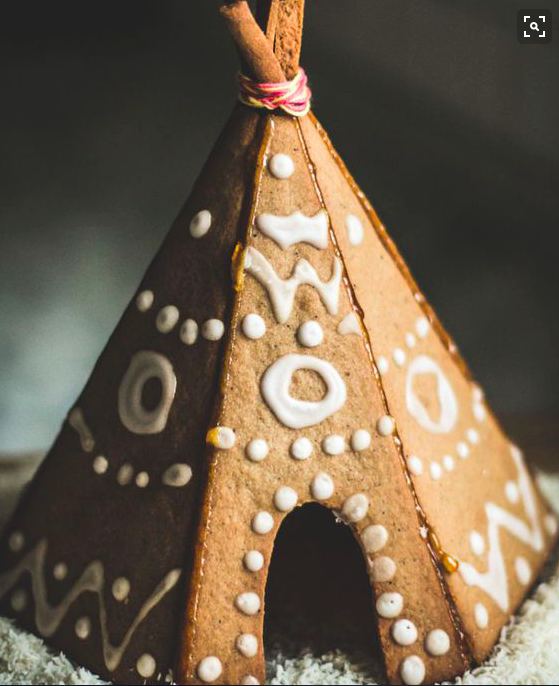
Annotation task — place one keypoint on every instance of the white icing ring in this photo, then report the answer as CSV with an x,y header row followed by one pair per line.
x,y
295,413
447,400
146,365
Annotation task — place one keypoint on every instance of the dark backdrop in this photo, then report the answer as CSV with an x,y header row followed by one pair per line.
x,y
108,110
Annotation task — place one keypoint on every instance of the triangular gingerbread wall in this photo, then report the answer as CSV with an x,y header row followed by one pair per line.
x,y
470,480
119,501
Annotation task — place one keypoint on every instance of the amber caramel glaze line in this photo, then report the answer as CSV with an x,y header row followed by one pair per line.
x,y
465,650
390,246
185,668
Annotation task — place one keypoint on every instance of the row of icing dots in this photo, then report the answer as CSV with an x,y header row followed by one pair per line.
x,y
168,317
177,474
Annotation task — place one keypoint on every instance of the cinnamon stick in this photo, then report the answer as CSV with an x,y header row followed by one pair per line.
x,y
255,49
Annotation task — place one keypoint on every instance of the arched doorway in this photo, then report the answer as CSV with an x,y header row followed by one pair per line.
x,y
318,594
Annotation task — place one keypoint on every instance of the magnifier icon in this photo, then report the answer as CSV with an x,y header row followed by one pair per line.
x,y
534,26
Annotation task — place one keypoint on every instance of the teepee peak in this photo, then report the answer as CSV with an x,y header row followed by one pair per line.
x,y
277,352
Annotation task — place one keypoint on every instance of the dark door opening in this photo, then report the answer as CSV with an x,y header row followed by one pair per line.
x,y
318,594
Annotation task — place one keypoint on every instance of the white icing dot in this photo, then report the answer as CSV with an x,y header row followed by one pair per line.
x,y
144,300
247,645
301,449
333,444
354,229
415,465
249,680
253,326
436,471
422,327
462,450
437,642
248,603
448,462
253,560
16,541
167,318
120,588
384,569
100,464
125,474
480,615
404,632
262,522
281,165
350,324
374,538
310,334
511,491
473,436
222,437
550,524
145,666
355,508
142,479
213,329
479,411
83,628
399,357
410,340
189,332
322,486
383,365
477,544
18,600
177,475
60,571
257,450
200,224
285,498
386,425
209,669
523,571
477,393
389,605
293,412
360,440
412,670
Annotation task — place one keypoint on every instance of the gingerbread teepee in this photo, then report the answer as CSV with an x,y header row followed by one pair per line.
x,y
277,352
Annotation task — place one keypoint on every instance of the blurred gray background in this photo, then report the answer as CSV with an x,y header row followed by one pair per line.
x,y
109,109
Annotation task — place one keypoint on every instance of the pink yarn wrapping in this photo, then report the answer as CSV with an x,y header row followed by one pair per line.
x,y
293,97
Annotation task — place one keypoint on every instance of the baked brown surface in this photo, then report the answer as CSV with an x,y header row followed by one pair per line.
x,y
277,309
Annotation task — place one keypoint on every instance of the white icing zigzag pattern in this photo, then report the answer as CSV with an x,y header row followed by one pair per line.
x,y
494,581
49,617
282,291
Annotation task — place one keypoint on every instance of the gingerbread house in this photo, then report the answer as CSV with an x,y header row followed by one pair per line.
x,y
277,352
